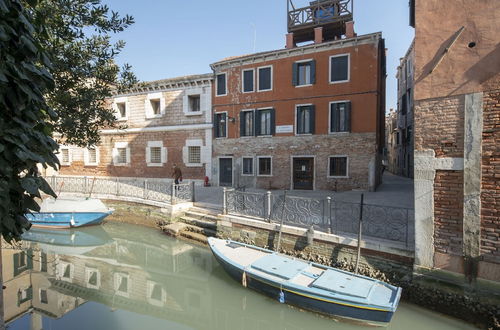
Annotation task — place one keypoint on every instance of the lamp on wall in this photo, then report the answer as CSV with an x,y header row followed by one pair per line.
x,y
230,119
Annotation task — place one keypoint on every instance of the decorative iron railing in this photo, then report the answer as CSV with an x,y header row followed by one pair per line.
x,y
318,12
324,214
138,188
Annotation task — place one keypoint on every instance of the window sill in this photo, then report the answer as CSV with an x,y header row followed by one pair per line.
x,y
307,85
247,136
338,82
337,177
121,164
219,95
155,164
264,136
247,174
339,133
304,134
154,116
264,175
221,137
194,113
193,165
264,90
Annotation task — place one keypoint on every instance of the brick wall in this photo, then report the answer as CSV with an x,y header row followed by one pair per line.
x,y
360,149
448,212
490,185
439,125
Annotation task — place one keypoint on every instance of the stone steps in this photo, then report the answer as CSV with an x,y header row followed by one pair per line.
x,y
209,232
195,221
195,236
201,215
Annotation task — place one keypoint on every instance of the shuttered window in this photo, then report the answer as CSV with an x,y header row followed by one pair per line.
x,y
221,84
305,119
337,166
265,78
248,83
220,125
339,68
340,117
247,166
247,123
264,122
304,73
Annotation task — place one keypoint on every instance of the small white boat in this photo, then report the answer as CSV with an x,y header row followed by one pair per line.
x,y
308,285
69,213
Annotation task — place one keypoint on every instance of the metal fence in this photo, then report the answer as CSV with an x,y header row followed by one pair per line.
x,y
138,188
326,214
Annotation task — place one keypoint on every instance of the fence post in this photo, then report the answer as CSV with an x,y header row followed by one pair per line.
x,y
407,228
145,193
224,200
329,214
85,185
117,187
269,206
192,192
172,194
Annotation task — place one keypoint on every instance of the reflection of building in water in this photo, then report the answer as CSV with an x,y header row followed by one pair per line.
x,y
164,279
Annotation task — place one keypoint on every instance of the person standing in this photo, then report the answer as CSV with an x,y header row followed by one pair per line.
x,y
176,174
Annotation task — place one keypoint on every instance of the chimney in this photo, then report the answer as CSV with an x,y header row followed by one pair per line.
x,y
349,30
318,35
289,41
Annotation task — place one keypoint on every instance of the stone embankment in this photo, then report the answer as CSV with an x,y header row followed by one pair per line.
x,y
196,224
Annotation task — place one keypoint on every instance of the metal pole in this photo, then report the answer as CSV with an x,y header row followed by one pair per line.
x,y
224,200
329,212
172,194
268,211
145,193
192,192
359,234
117,187
281,223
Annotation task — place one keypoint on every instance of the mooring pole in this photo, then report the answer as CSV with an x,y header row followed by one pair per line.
x,y
359,234
281,223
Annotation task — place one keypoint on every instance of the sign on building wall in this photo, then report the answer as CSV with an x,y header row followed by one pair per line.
x,y
284,129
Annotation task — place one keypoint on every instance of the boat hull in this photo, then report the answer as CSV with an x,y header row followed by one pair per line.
x,y
305,300
62,220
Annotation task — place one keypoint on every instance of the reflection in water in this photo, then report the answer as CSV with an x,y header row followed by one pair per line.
x,y
120,276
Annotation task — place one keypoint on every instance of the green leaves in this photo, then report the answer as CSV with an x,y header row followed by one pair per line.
x,y
24,142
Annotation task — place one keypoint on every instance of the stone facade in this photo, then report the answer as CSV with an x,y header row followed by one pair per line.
x,y
301,159
161,128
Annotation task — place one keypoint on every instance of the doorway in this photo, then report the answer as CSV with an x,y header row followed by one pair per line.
x,y
303,173
225,172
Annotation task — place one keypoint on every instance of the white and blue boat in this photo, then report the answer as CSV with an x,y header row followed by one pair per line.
x,y
308,285
69,213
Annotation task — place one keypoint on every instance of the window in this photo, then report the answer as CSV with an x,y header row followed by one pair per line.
x,y
248,81
65,156
93,278
339,68
265,166
121,284
265,78
221,84
156,294
340,117
194,154
403,104
91,156
220,124
155,156
43,296
121,156
337,166
264,122
155,106
304,73
305,119
43,262
194,103
122,109
247,168
246,123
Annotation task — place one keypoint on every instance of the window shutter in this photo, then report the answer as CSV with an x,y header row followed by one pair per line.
x,y
29,293
128,155
333,117
295,69
29,257
242,124
273,121
313,72
216,125
348,116
257,123
297,120
16,263
148,155
312,119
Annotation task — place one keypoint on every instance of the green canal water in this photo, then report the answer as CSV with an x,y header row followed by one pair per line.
x,y
119,276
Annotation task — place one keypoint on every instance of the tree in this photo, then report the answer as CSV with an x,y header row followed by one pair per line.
x,y
25,136
78,41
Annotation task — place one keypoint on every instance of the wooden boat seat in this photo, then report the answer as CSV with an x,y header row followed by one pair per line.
x,y
282,267
340,282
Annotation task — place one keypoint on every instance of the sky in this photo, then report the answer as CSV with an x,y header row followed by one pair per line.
x,y
172,38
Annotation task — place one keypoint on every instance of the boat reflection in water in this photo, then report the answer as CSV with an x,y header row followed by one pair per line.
x,y
134,269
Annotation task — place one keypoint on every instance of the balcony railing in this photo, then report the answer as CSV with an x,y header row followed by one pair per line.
x,y
318,13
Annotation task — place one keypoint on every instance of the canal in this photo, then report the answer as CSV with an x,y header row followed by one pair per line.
x,y
120,276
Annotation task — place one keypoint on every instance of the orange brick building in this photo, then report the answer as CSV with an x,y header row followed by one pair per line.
x,y
309,117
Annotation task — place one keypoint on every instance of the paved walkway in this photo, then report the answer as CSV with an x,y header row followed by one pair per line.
x,y
394,191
